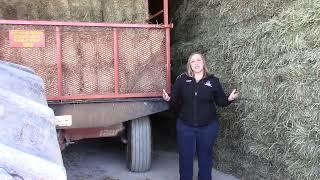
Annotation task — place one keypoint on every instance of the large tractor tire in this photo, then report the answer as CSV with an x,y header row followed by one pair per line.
x,y
139,147
28,141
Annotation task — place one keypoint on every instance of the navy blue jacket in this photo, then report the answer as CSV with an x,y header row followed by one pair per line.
x,y
196,102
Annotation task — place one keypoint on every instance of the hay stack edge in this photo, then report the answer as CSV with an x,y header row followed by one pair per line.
x,y
270,51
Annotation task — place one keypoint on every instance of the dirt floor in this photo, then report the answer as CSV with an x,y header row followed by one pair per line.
x,y
104,159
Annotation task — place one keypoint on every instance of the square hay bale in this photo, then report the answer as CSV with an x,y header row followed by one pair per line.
x,y
85,10
133,11
140,52
90,52
72,82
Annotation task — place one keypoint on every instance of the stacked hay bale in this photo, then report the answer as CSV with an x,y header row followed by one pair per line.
x,y
85,10
142,60
269,51
133,11
35,9
87,60
87,52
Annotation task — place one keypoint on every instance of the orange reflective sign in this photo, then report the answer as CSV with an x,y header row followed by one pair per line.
x,y
26,38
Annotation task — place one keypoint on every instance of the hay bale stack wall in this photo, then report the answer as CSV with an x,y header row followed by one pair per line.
x,y
269,50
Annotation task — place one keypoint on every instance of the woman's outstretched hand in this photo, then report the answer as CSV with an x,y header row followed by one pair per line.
x,y
233,95
165,95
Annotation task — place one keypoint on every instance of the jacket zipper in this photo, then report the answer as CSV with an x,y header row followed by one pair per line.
x,y
195,107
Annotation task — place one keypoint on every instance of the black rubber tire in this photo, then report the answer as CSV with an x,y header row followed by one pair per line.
x,y
17,66
28,128
139,147
24,113
22,81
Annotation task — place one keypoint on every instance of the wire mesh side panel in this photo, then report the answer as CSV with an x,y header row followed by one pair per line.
x,y
87,61
42,60
142,62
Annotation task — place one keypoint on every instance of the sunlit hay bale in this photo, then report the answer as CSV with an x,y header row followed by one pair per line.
x,y
70,54
52,9
152,79
85,10
105,78
72,81
156,39
7,9
71,48
87,78
90,80
49,75
35,9
133,11
19,9
139,48
128,53
91,50
88,49
87,44
105,62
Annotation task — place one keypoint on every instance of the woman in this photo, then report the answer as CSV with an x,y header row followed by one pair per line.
x,y
195,94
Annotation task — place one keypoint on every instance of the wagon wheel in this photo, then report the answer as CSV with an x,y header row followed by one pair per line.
x,y
139,145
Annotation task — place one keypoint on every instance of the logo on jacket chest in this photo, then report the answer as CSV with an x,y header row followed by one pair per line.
x,y
208,83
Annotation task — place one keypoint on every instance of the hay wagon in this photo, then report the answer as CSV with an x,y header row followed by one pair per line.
x,y
101,79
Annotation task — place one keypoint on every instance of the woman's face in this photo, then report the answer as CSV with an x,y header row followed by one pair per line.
x,y
196,63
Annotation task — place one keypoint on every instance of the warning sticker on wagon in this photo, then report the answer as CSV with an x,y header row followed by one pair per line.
x,y
65,120
26,38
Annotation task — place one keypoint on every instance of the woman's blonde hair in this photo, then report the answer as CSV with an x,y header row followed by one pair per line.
x,y
205,68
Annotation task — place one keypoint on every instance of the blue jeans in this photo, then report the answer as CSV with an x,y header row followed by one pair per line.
x,y
196,139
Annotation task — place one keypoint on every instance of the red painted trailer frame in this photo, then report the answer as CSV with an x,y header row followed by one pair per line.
x,y
115,26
